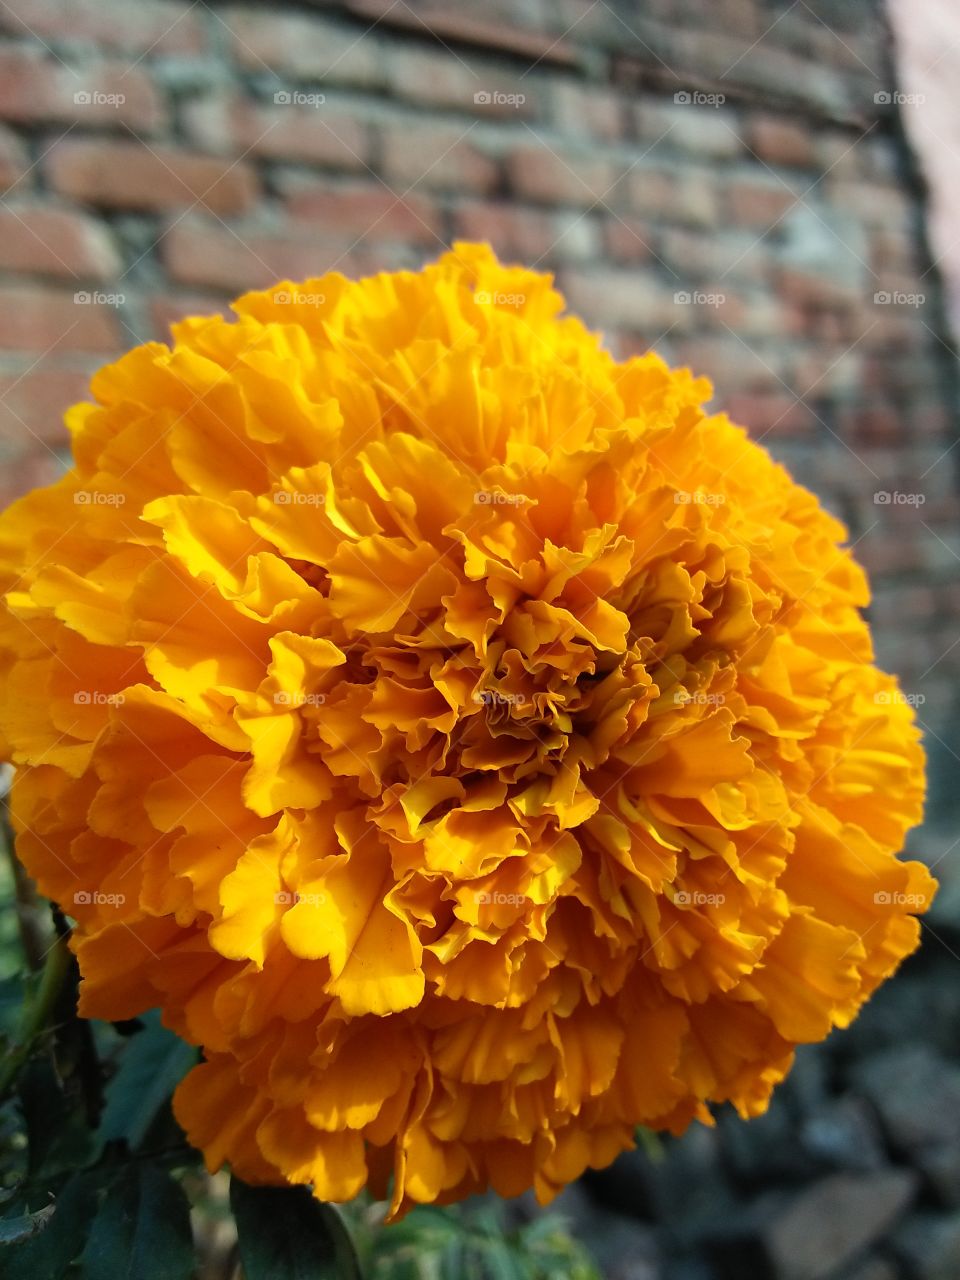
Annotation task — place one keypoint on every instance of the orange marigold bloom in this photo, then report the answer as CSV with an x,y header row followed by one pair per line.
x,y
466,740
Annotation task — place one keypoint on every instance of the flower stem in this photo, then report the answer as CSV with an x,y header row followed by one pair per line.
x,y
32,914
36,1012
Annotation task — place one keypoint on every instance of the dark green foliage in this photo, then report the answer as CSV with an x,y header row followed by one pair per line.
x,y
284,1232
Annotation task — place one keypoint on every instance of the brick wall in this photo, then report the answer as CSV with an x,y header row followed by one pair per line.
x,y
723,180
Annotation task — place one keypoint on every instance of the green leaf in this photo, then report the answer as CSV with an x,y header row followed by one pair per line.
x,y
153,1063
650,1143
453,1260
13,994
16,1230
59,1138
50,1252
142,1231
503,1263
285,1234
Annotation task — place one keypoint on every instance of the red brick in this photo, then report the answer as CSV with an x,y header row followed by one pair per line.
x,y
13,159
166,311
358,210
839,154
696,197
623,300
436,158
951,598
769,73
759,204
901,378
232,125
891,604
467,28
301,46
683,196
37,319
55,242
779,141
435,79
878,204
697,254
940,511
886,553
540,174
822,324
627,239
578,238
201,254
893,251
129,175
30,471
880,467
696,129
822,371
32,404
160,26
629,73
899,360
589,110
514,232
769,415
932,420
594,24
816,289
741,16
34,86
722,358
753,318
653,192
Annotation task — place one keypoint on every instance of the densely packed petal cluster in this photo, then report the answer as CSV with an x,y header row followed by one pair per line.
x,y
466,740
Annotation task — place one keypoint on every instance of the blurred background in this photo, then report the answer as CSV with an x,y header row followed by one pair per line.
x,y
763,190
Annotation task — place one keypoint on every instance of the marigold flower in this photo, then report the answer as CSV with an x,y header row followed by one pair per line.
x,y
470,743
